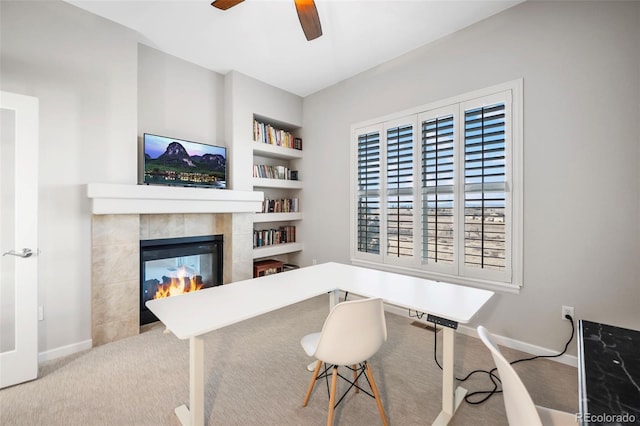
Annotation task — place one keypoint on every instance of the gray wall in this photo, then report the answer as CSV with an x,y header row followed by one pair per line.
x,y
179,99
580,62
83,70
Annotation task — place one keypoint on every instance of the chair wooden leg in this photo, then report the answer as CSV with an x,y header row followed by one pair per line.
x,y
332,395
355,377
374,388
313,382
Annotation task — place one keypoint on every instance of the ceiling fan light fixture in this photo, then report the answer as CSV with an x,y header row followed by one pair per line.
x,y
225,4
307,14
309,19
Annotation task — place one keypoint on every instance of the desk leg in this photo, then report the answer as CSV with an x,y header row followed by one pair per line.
x,y
334,298
451,399
194,415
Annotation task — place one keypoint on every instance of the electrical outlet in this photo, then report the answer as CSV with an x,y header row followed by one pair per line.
x,y
567,310
314,262
40,313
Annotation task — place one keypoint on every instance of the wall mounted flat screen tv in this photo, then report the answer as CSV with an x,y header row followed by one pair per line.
x,y
171,161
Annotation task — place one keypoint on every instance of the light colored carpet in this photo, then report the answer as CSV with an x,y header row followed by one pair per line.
x,y
256,375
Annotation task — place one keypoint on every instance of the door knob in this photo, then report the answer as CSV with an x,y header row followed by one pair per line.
x,y
25,252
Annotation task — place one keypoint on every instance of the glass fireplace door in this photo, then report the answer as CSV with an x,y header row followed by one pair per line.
x,y
174,266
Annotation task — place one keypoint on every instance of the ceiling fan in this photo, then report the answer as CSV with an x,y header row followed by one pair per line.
x,y
307,13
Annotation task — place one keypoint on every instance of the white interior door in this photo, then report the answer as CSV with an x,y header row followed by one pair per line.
x,y
18,238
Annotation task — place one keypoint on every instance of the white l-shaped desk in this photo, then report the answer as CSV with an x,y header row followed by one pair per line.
x,y
192,315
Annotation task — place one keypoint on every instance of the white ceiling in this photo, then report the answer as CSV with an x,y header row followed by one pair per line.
x,y
263,38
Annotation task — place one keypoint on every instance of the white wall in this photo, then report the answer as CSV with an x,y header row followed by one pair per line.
x,y
83,70
99,91
581,67
179,99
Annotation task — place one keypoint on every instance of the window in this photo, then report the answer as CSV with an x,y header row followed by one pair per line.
x,y
441,187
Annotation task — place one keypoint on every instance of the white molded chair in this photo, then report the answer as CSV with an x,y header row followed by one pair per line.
x,y
351,334
517,402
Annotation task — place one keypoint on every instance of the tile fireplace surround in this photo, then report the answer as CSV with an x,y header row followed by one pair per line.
x,y
119,223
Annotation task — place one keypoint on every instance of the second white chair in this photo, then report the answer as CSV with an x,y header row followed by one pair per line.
x,y
352,333
518,404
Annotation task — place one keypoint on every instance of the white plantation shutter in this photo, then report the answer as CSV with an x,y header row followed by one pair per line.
x,y
439,191
399,184
368,193
486,196
438,188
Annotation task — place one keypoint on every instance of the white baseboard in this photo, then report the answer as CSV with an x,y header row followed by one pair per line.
x,y
63,351
571,360
529,348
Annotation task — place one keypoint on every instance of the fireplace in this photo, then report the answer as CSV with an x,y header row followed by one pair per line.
x,y
173,266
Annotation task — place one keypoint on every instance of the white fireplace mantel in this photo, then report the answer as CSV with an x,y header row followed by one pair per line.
x,y
147,199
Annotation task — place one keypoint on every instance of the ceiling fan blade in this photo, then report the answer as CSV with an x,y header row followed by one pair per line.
x,y
225,4
309,19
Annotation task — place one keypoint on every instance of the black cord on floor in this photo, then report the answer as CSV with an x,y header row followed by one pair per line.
x,y
418,315
495,379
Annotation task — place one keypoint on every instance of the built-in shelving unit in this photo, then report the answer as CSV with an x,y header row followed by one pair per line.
x,y
272,154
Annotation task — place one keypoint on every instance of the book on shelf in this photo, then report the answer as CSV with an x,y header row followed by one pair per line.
x,y
266,133
269,237
274,172
284,205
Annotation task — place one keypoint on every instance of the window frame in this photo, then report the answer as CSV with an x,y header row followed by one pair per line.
x,y
512,278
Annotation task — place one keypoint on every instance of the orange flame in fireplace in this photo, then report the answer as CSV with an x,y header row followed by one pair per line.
x,y
180,285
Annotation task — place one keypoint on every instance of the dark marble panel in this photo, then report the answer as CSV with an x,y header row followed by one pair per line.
x,y
611,361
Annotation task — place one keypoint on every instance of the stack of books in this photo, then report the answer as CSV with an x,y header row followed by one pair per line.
x,y
268,237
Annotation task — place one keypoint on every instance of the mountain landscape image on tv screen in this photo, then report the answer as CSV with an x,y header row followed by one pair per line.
x,y
170,161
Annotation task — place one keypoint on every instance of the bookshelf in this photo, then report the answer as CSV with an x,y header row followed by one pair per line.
x,y
276,183
272,148
276,217
274,151
275,250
